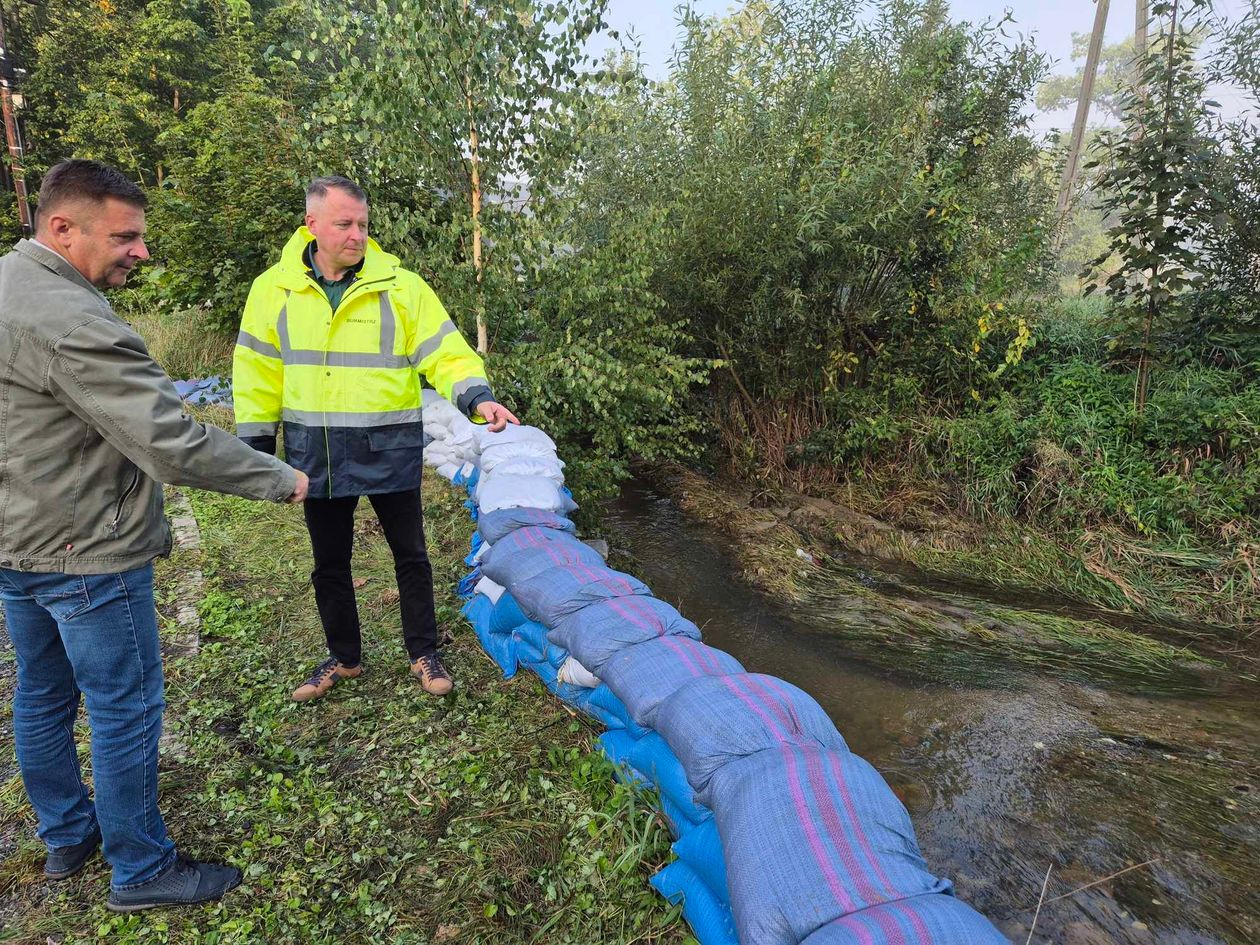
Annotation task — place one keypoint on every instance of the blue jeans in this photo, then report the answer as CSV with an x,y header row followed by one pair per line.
x,y
95,636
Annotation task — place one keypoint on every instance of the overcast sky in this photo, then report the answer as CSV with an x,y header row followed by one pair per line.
x,y
1051,22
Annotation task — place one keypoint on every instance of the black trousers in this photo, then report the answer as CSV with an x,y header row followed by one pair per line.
x,y
331,525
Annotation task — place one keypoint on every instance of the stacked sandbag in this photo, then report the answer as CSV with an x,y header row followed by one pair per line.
x,y
783,836
451,439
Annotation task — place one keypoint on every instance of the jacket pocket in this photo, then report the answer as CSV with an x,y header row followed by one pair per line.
x,y
132,485
398,438
297,443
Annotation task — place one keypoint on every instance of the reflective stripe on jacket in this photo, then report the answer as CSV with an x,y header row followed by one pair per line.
x,y
346,384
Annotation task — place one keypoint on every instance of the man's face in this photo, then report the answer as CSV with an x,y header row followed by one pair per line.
x,y
339,223
104,240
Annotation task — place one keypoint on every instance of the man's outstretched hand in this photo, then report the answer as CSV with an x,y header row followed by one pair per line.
x,y
300,490
496,415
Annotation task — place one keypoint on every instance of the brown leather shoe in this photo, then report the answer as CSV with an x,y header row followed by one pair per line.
x,y
432,675
326,675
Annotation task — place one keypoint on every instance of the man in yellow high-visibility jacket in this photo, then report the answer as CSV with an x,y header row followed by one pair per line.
x,y
333,342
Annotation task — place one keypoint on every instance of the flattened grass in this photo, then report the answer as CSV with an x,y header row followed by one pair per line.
x,y
378,814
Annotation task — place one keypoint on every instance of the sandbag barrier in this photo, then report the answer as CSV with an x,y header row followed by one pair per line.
x,y
782,835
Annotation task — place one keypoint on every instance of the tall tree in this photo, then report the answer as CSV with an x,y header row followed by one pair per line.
x,y
461,118
1117,73
1155,178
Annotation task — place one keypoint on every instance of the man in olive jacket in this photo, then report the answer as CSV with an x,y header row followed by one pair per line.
x,y
89,428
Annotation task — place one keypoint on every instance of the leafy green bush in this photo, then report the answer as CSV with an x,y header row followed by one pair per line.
x,y
592,359
1070,448
847,199
233,196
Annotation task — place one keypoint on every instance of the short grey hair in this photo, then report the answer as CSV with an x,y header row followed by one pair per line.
x,y
319,187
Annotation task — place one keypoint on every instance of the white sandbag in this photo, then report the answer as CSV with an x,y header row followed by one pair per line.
x,y
463,446
500,455
550,466
447,470
439,431
515,433
523,466
437,409
439,454
482,551
491,590
465,431
514,441
526,492
571,671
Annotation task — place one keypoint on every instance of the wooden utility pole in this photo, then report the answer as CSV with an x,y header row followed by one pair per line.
x,y
1082,109
1139,31
13,134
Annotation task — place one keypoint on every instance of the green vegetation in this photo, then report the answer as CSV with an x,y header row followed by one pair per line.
x,y
826,236
946,635
377,814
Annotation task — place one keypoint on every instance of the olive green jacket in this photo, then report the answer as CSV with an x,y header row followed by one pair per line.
x,y
90,426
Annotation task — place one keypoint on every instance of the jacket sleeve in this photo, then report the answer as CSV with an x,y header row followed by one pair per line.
x,y
442,355
258,375
103,373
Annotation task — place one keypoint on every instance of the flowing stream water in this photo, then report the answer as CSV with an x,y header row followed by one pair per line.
x,y
1006,771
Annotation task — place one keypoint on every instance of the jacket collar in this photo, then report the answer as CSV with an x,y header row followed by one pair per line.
x,y
54,262
378,265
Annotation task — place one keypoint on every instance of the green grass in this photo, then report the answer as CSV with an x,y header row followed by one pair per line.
x,y
983,633
377,814
179,341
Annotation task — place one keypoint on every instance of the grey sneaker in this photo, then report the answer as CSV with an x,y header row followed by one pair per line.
x,y
64,862
184,883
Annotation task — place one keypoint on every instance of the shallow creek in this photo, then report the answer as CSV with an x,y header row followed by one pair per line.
x,y
1006,770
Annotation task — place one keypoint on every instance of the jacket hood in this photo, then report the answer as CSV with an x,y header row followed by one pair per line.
x,y
377,264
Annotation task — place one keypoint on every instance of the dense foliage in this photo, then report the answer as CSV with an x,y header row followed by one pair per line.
x,y
846,201
826,235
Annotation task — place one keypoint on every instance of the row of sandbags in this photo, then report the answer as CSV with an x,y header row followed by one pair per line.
x,y
783,836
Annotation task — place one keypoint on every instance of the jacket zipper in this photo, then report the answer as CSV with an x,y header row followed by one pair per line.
x,y
349,292
118,511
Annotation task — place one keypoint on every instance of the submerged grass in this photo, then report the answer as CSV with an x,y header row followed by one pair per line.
x,y
941,635
1180,582
377,814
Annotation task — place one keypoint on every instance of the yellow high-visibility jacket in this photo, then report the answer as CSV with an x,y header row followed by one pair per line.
x,y
346,384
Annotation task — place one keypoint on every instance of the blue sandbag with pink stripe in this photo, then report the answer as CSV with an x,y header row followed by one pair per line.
x,y
718,719
595,633
551,596
936,919
812,834
647,674
529,551
494,525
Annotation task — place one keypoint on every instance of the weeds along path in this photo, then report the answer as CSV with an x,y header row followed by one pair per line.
x,y
374,815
